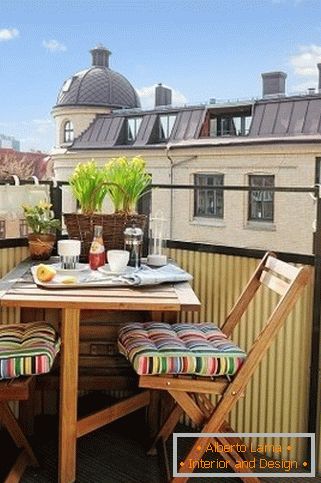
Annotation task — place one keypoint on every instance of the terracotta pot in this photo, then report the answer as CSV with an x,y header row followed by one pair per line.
x,y
41,246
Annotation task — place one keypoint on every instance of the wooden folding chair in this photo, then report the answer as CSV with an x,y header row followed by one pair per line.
x,y
16,390
25,350
190,393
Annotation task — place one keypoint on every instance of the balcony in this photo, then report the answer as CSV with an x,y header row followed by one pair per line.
x,y
283,396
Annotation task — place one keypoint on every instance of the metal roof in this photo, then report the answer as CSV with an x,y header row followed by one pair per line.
x,y
109,130
98,86
292,119
285,117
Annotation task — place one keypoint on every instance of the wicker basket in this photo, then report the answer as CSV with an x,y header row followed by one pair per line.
x,y
81,227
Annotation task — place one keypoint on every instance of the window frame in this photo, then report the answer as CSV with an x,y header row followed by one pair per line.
x,y
169,126
137,123
218,210
226,126
68,132
263,202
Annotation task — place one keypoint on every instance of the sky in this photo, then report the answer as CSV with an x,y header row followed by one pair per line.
x,y
202,49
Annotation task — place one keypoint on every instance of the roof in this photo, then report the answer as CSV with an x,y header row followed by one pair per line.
x,y
108,131
98,86
244,141
24,164
274,120
289,116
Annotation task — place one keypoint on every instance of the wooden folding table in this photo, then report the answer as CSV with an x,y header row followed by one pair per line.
x,y
18,290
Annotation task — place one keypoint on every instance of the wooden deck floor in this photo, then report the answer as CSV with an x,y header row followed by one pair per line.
x,y
113,454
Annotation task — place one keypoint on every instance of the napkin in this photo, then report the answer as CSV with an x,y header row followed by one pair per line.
x,y
155,276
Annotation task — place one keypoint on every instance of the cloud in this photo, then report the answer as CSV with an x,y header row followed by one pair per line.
x,y
305,61
43,125
8,34
54,46
147,96
35,134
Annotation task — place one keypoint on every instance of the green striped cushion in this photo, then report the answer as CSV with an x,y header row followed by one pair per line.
x,y
27,349
158,348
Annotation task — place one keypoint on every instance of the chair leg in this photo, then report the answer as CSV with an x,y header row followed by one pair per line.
x,y
213,425
163,460
166,429
8,419
16,472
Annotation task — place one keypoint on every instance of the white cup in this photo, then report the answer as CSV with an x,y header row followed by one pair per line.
x,y
118,260
69,251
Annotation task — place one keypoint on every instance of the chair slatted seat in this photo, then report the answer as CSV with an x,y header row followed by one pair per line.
x,y
190,394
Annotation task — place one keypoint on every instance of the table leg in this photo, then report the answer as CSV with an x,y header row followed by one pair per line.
x,y
68,395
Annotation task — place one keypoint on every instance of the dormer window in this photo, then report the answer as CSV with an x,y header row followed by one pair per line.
x,y
67,84
133,125
68,132
229,125
166,124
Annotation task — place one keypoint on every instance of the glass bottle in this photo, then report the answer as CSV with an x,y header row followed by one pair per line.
x,y
97,249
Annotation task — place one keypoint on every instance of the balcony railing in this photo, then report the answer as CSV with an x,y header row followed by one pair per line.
x,y
283,396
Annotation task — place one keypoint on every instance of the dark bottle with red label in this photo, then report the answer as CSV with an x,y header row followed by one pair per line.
x,y
97,249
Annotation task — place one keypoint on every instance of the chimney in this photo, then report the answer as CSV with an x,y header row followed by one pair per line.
x,y
100,56
319,85
163,96
273,84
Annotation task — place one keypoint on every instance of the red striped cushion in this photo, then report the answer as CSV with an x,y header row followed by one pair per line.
x,y
158,348
27,349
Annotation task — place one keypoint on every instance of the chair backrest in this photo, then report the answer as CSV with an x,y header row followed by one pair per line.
x,y
280,277
285,280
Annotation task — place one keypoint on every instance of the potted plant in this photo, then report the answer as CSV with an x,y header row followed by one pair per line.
x,y
87,186
124,181
127,181
40,219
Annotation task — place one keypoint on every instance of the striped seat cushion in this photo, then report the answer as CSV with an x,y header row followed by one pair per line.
x,y
27,349
201,349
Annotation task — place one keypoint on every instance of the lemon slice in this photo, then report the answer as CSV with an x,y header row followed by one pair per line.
x,y
69,280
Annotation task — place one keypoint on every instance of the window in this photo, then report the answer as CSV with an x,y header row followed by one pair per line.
x,y
2,229
67,84
68,132
23,228
261,203
209,202
166,124
133,125
230,125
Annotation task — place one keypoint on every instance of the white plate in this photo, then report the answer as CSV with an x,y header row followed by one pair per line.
x,y
106,270
81,267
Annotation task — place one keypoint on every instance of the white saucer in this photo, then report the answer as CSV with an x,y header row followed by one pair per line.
x,y
106,270
81,267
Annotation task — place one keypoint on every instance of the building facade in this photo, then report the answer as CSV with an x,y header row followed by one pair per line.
x,y
270,142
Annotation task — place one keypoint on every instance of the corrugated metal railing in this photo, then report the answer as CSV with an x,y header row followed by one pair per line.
x,y
9,258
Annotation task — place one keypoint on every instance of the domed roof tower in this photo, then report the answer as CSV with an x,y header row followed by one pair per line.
x,y
97,90
98,86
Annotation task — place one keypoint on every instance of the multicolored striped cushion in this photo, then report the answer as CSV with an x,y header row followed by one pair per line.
x,y
27,349
158,348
